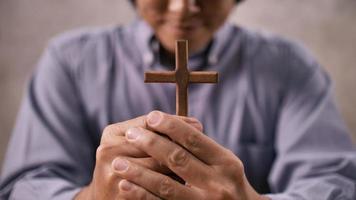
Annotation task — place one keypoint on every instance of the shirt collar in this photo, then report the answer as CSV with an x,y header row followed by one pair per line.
x,y
221,40
143,34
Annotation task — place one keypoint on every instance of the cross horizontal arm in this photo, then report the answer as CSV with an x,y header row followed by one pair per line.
x,y
203,77
181,76
160,77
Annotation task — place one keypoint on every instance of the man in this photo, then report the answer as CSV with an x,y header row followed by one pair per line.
x,y
271,129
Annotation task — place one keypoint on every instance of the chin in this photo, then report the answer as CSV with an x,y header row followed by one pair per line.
x,y
196,39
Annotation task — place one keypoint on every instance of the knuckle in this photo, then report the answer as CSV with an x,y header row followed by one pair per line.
x,y
112,178
122,142
196,123
140,194
150,140
224,193
178,158
166,189
120,127
169,123
239,165
193,142
108,129
102,151
233,165
199,126
193,119
112,129
220,192
135,172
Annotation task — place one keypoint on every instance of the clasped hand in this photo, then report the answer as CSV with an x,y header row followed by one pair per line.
x,y
139,162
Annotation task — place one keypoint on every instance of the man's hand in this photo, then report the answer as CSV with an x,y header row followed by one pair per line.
x,y
209,170
105,182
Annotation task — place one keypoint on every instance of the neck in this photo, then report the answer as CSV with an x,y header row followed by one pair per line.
x,y
167,58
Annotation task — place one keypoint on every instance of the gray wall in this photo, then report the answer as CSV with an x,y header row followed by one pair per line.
x,y
327,27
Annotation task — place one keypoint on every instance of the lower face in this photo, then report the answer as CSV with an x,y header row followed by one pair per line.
x,y
195,21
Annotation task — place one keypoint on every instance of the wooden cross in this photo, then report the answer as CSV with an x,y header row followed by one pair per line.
x,y
181,76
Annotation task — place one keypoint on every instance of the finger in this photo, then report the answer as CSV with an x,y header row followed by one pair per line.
x,y
192,121
116,147
141,122
128,191
200,145
158,184
113,144
175,157
152,164
119,129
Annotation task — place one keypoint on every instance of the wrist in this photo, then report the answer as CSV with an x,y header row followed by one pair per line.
x,y
84,194
252,194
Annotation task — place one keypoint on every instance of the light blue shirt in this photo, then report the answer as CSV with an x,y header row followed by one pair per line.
x,y
273,107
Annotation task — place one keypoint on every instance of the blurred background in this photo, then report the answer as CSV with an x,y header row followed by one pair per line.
x,y
326,27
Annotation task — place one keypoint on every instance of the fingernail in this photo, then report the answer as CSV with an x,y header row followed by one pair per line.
x,y
153,118
125,185
133,133
121,165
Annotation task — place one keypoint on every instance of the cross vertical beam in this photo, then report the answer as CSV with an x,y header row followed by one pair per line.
x,y
181,77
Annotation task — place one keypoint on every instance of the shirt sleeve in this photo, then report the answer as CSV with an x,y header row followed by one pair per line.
x,y
51,153
315,157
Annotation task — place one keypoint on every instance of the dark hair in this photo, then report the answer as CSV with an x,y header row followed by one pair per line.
x,y
237,1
